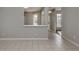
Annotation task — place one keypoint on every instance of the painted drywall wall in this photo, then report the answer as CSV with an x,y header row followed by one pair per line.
x,y
12,25
53,21
28,20
70,23
44,16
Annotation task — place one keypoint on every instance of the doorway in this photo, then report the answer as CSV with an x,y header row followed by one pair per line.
x,y
55,18
58,24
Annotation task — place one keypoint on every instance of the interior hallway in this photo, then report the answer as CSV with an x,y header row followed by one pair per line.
x,y
53,44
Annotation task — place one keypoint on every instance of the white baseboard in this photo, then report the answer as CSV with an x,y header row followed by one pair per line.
x,y
71,41
23,38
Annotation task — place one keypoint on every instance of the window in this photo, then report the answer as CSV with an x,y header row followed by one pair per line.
x,y
59,17
35,19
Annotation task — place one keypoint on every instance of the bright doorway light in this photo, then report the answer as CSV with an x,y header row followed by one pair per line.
x,y
50,11
26,7
35,19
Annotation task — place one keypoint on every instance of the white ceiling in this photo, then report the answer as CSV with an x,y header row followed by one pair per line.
x,y
32,9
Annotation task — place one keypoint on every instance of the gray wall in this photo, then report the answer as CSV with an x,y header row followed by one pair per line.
x,y
12,25
44,16
53,21
70,23
28,19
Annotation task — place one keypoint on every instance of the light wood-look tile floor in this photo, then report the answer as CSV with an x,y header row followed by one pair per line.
x,y
53,44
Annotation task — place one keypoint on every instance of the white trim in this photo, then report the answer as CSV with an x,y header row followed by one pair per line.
x,y
36,25
71,41
23,38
